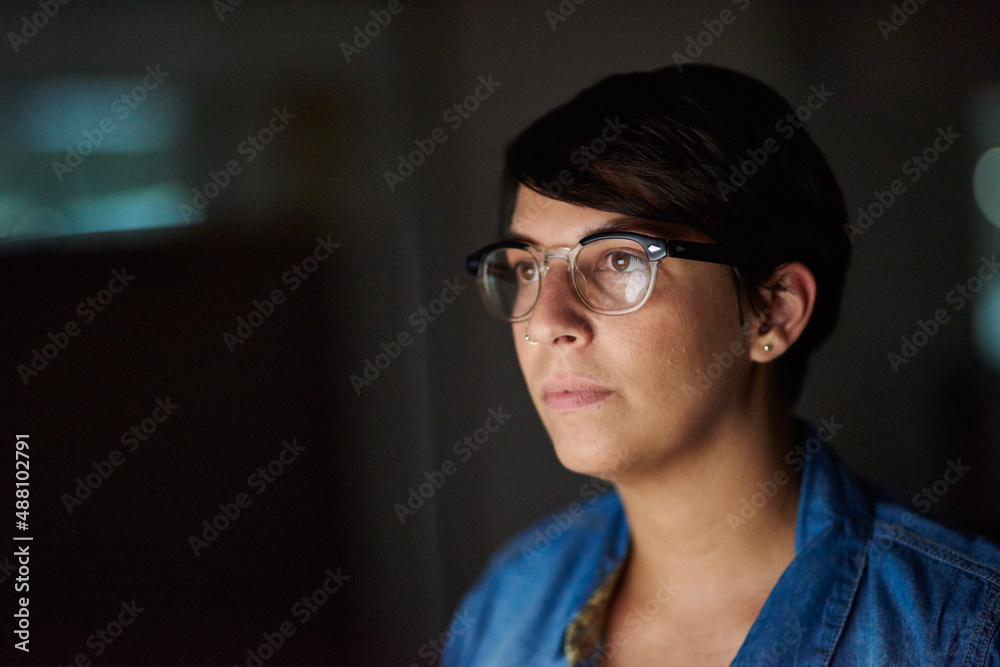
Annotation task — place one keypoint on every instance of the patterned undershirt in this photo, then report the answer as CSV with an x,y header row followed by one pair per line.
x,y
584,636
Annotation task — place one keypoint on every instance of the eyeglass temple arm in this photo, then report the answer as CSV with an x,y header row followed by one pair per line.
x,y
702,252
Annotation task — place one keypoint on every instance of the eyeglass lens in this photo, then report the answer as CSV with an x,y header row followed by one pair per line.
x,y
611,275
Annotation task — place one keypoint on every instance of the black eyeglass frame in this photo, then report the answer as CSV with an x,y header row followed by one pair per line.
x,y
656,249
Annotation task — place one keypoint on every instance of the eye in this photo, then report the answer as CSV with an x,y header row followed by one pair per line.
x,y
526,271
621,261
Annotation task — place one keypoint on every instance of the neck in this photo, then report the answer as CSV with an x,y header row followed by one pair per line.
x,y
685,516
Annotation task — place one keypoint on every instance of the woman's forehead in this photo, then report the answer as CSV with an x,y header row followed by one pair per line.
x,y
549,222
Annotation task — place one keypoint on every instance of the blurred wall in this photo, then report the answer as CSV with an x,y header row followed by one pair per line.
x,y
401,250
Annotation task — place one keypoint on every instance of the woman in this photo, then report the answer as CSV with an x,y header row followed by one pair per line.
x,y
675,252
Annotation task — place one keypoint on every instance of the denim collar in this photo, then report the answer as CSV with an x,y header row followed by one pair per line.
x,y
805,614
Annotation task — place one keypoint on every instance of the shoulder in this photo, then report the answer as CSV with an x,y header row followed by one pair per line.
x,y
914,536
938,586
537,582
897,535
910,588
904,534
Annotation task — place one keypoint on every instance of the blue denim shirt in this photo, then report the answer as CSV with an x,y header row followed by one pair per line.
x,y
872,583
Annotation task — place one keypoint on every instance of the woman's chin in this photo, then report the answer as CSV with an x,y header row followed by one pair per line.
x,y
602,460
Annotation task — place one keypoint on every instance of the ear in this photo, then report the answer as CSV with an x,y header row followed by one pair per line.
x,y
789,299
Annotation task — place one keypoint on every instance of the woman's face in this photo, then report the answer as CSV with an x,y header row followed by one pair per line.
x,y
628,394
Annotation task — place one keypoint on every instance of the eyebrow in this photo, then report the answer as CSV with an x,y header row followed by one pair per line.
x,y
626,223
618,224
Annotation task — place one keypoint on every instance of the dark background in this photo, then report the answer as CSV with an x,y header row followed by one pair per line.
x,y
324,176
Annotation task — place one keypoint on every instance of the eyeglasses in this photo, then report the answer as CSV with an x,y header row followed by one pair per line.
x,y
613,272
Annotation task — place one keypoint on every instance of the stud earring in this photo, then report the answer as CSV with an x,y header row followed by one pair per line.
x,y
767,348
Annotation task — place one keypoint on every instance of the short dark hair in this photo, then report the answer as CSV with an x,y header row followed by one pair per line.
x,y
705,147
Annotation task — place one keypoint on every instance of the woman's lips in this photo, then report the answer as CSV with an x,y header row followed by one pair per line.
x,y
567,394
